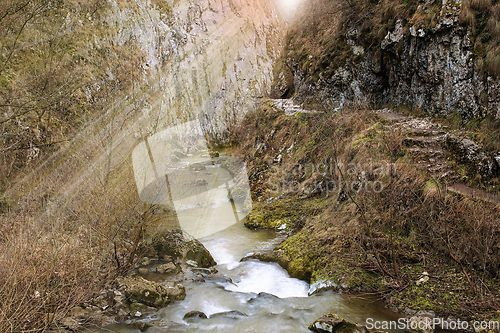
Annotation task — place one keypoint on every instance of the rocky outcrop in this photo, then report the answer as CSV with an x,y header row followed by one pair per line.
x,y
153,283
470,153
433,69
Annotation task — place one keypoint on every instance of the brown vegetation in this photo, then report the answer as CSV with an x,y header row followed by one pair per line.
x,y
318,39
368,237
63,231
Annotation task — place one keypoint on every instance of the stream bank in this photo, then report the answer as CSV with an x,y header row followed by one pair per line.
x,y
365,211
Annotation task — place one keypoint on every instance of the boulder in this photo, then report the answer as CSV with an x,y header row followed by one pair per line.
x,y
469,152
141,325
177,293
334,323
140,290
177,244
195,315
140,308
234,314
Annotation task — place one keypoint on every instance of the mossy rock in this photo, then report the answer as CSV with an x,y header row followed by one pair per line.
x,y
278,216
334,323
200,254
177,244
152,294
140,290
299,269
141,308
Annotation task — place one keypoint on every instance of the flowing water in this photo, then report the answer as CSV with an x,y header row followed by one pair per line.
x,y
266,298
254,296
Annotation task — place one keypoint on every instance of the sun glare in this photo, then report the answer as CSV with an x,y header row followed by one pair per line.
x,y
287,8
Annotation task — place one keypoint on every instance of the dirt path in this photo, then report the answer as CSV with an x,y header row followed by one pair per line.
x,y
424,140
474,193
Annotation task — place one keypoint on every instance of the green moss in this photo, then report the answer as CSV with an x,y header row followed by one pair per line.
x,y
280,215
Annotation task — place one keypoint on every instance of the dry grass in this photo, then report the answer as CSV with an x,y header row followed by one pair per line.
x,y
379,230
480,4
467,15
57,242
44,275
61,219
318,40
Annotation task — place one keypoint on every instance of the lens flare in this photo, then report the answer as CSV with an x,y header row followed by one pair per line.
x,y
287,8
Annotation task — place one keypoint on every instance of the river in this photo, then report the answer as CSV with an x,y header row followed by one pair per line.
x,y
258,296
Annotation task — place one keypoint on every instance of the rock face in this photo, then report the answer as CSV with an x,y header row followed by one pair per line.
x,y
432,69
468,152
180,41
334,323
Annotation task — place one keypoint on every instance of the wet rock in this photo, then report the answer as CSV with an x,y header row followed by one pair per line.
x,y
204,271
166,268
192,263
141,308
195,315
218,278
323,284
267,295
235,314
334,323
264,297
164,324
298,268
177,293
141,325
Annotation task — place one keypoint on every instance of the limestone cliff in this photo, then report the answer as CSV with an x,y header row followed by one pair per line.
x,y
422,55
71,70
